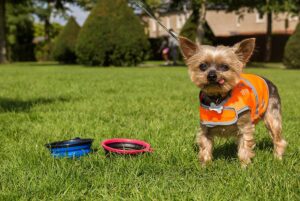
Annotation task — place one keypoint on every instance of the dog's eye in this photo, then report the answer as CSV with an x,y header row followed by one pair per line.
x,y
224,67
203,67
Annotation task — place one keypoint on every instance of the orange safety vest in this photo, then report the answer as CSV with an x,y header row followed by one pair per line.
x,y
251,93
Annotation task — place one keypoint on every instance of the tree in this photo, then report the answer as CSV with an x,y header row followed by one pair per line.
x,y
111,35
191,29
2,32
196,28
42,47
268,7
198,12
86,4
291,57
3,26
44,9
20,32
64,46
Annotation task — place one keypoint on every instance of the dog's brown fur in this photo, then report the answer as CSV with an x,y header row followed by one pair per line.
x,y
235,58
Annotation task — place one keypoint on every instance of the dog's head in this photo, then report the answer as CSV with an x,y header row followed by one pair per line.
x,y
216,70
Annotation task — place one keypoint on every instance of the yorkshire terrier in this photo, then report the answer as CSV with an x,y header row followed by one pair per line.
x,y
231,102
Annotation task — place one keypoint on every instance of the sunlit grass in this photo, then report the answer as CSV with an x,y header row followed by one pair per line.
x,y
44,103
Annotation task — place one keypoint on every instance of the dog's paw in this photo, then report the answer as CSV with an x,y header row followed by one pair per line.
x,y
205,159
244,164
279,149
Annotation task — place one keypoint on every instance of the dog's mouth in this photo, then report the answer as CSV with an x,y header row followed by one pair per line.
x,y
219,82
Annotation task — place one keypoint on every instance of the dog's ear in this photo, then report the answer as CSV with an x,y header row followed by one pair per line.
x,y
244,49
187,47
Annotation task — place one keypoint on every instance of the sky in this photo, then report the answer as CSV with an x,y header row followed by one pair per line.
x,y
79,14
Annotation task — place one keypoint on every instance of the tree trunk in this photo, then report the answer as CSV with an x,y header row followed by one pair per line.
x,y
47,30
201,22
2,33
47,27
268,52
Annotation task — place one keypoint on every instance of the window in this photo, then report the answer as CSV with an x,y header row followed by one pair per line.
x,y
153,25
178,21
293,18
168,24
239,19
260,17
160,27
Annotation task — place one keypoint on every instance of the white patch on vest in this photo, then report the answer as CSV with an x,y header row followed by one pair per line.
x,y
245,92
215,108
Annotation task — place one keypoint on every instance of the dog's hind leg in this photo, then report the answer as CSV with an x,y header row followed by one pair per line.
x,y
273,121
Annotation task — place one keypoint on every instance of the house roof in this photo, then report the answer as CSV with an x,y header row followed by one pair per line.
x,y
225,24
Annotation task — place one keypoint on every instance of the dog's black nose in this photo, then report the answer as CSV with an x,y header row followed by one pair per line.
x,y
212,76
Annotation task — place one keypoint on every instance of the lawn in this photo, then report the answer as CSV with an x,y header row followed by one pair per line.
x,y
41,103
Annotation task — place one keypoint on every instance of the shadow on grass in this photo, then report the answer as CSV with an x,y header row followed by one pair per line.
x,y
229,150
36,64
16,105
54,64
226,151
265,144
160,64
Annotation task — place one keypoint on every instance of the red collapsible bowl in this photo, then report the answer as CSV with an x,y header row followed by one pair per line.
x,y
125,146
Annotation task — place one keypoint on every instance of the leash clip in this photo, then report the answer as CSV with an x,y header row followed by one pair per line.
x,y
215,108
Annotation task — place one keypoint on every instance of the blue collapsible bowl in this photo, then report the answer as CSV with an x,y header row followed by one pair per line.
x,y
73,148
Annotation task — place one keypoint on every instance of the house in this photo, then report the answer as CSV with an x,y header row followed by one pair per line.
x,y
230,27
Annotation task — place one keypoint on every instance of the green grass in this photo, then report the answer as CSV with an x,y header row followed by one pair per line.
x,y
45,103
266,65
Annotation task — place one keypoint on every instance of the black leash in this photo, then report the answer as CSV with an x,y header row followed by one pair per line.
x,y
150,13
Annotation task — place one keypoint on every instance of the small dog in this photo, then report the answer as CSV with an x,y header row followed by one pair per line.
x,y
231,103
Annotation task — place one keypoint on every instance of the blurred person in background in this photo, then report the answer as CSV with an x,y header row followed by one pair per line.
x,y
164,49
173,47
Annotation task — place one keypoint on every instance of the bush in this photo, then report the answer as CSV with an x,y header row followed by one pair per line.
x,y
112,35
64,45
291,58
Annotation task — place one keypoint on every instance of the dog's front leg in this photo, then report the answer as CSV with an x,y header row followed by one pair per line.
x,y
246,141
205,143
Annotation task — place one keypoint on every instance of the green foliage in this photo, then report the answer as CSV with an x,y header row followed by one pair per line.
x,y
112,35
43,47
64,45
153,3
20,32
39,30
23,48
44,9
86,4
291,57
189,30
